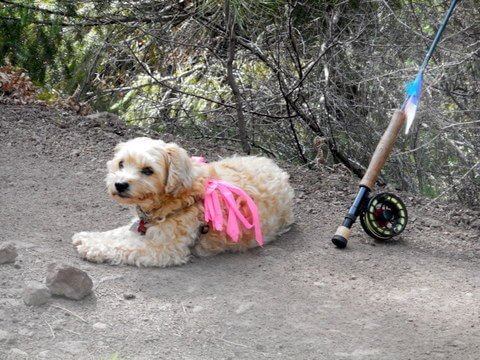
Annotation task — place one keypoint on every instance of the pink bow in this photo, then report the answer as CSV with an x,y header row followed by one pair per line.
x,y
217,190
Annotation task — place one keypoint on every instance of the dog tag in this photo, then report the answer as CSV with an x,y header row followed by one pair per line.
x,y
134,226
139,226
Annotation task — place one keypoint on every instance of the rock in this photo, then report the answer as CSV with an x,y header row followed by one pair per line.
x,y
4,336
476,224
15,353
129,296
58,324
432,223
243,308
107,121
8,253
72,347
104,117
26,332
45,354
99,326
68,281
35,293
197,309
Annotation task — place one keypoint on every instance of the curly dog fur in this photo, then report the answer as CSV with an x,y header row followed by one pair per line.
x,y
168,186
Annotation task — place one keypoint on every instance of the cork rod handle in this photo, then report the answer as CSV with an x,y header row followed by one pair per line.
x,y
383,149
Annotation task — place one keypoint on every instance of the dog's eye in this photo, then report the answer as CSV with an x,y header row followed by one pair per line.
x,y
147,171
120,164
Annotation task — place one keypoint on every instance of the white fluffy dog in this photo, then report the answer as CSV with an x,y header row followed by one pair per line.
x,y
168,189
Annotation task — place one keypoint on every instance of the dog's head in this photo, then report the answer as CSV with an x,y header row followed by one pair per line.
x,y
144,169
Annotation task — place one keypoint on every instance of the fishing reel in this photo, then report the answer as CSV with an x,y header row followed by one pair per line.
x,y
384,216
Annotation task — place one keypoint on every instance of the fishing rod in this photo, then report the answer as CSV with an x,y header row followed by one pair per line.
x,y
384,215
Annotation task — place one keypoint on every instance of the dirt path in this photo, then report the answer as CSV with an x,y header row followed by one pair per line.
x,y
299,298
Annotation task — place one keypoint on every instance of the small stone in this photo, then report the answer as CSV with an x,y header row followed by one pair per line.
x,y
72,347
8,253
35,293
475,224
243,308
45,354
129,296
15,353
4,336
260,347
457,343
99,326
26,332
353,277
58,324
432,223
68,281
197,309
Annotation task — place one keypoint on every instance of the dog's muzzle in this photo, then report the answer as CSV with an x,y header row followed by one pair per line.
x,y
121,187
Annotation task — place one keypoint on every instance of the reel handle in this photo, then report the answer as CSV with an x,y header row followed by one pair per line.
x,y
383,149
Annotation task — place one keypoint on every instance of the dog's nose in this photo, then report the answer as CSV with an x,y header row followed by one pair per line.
x,y
121,186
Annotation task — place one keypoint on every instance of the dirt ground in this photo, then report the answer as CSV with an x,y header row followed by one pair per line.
x,y
415,297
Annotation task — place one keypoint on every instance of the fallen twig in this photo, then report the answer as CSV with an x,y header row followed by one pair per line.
x,y
51,330
70,312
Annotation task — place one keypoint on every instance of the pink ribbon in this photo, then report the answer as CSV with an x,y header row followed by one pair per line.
x,y
218,191
199,159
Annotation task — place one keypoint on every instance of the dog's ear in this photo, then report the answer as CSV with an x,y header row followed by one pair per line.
x,y
109,165
119,146
180,169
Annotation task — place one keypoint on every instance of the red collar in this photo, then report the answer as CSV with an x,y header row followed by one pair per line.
x,y
141,224
141,227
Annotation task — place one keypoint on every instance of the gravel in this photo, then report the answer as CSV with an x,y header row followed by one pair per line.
x,y
414,297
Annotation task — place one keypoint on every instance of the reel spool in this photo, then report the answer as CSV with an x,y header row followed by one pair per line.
x,y
384,217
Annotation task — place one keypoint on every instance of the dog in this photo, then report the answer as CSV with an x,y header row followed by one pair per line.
x,y
172,192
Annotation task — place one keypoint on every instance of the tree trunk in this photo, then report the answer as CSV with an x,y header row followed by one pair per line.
x,y
242,131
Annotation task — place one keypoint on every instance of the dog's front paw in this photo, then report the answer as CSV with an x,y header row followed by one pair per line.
x,y
91,253
78,238
89,247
